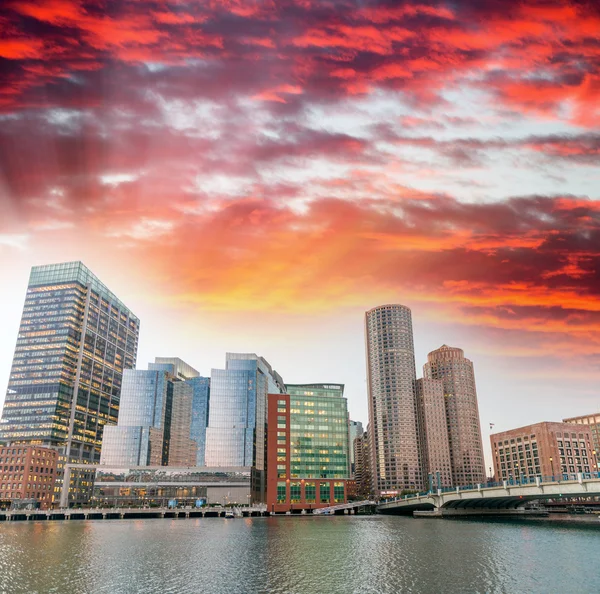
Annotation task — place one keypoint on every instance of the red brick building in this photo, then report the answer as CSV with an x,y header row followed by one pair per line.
x,y
544,449
28,472
290,450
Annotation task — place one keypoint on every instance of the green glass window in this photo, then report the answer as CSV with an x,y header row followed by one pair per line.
x,y
295,493
310,492
338,492
324,492
281,493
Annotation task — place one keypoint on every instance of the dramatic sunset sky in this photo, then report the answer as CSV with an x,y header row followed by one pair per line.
x,y
253,176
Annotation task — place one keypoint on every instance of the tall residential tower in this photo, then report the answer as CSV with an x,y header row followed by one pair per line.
x,y
397,462
450,366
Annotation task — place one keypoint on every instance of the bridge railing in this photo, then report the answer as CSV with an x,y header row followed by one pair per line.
x,y
511,482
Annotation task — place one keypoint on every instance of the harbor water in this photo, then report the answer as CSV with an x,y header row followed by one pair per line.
x,y
351,554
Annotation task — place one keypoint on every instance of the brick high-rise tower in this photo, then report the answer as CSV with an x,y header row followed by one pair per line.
x,y
449,365
397,461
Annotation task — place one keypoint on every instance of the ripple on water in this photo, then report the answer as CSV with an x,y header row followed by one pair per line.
x,y
372,554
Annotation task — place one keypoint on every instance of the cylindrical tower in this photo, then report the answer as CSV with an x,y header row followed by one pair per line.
x,y
449,365
393,422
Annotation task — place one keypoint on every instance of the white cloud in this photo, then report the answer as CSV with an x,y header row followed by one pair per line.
x,y
144,229
14,240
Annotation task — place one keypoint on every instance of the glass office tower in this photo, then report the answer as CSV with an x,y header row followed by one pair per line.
x,y
75,340
142,436
200,411
318,431
236,432
161,413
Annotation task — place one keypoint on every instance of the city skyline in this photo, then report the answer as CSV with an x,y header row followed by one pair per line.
x,y
355,404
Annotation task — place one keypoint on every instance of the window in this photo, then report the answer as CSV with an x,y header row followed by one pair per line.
x,y
295,492
281,493
324,492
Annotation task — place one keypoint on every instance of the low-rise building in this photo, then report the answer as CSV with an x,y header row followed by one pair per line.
x,y
159,485
28,474
543,449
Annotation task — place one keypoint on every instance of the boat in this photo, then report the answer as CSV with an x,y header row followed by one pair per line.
x,y
229,515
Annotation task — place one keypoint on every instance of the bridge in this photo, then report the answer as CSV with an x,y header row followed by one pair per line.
x,y
351,507
494,499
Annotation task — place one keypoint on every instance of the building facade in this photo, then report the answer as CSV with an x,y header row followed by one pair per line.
x,y
157,486
544,450
308,457
362,467
434,432
450,366
593,422
28,475
75,340
395,443
143,434
200,411
237,420
183,450
355,429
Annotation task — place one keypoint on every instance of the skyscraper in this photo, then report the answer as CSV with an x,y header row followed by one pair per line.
x,y
362,466
156,418
75,340
456,373
237,420
355,429
434,432
143,434
393,419
200,410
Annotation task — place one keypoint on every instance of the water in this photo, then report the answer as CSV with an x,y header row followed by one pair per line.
x,y
373,554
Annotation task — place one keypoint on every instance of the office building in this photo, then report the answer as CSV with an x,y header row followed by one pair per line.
x,y
200,410
200,397
308,455
157,486
434,432
450,366
28,475
396,455
593,422
362,467
175,366
355,429
75,340
183,450
237,419
544,450
143,434
155,422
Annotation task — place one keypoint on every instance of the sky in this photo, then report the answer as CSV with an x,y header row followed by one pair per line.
x,y
253,176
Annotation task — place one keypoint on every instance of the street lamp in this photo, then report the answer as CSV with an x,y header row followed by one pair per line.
x,y
595,460
552,466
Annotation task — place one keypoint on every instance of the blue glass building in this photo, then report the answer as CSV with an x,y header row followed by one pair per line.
x,y
236,432
200,410
141,438
164,413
